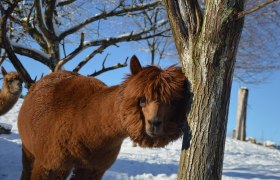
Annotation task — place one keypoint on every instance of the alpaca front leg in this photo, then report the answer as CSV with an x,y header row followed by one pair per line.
x,y
86,174
41,173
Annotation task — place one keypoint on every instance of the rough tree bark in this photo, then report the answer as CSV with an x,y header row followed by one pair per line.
x,y
207,48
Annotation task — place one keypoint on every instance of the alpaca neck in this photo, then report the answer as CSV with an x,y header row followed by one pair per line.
x,y
7,100
109,110
105,121
115,106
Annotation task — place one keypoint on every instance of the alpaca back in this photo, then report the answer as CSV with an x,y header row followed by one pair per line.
x,y
54,107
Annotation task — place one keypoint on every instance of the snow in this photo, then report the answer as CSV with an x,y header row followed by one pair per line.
x,y
242,160
269,143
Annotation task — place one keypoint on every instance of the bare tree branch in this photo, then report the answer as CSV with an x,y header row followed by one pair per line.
x,y
89,57
31,30
2,10
187,12
63,47
176,18
104,43
41,20
258,7
66,2
185,19
104,15
71,55
156,45
258,52
9,50
30,12
191,15
130,37
105,69
37,21
28,52
49,16
2,57
161,52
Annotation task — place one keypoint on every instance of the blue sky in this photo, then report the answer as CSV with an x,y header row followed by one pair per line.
x,y
263,121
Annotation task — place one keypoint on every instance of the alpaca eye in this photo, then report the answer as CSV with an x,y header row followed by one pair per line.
x,y
142,101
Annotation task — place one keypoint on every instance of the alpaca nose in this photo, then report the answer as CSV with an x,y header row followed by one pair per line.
x,y
155,123
155,126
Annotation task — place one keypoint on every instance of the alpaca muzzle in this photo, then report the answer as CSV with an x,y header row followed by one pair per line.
x,y
155,127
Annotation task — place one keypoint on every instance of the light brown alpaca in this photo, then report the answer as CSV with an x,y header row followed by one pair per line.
x,y
11,90
71,121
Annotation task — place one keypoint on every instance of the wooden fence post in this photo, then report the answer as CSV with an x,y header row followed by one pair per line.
x,y
240,133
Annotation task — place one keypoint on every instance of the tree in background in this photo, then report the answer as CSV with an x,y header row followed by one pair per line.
x,y
206,40
43,29
76,20
258,53
207,44
159,47
259,50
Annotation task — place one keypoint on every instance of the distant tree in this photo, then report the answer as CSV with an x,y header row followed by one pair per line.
x,y
43,29
159,47
259,49
207,44
258,52
77,20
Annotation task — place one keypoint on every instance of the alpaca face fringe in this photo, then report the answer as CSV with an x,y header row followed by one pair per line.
x,y
160,119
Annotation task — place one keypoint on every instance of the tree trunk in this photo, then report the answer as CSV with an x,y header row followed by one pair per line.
x,y
54,51
240,133
207,48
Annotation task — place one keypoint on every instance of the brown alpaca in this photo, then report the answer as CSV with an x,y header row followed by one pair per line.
x,y
71,121
11,90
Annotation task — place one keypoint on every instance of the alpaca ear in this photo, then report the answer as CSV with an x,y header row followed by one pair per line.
x,y
135,66
4,72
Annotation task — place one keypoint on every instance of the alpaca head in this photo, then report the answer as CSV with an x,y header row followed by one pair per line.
x,y
12,82
155,104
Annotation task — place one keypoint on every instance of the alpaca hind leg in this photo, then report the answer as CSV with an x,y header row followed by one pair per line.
x,y
27,163
86,174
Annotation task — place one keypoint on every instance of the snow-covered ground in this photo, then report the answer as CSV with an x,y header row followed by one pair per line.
x,y
242,160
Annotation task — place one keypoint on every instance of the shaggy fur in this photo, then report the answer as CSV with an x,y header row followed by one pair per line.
x,y
11,90
156,85
71,121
